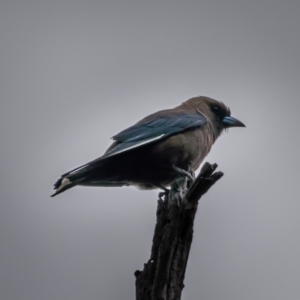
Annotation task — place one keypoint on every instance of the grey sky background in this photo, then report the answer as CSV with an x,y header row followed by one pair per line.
x,y
74,73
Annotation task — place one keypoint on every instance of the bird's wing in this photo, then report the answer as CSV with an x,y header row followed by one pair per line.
x,y
148,130
153,129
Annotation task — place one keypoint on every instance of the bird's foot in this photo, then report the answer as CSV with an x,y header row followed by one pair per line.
x,y
189,174
163,195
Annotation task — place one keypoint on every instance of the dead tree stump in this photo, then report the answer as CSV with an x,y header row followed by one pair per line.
x,y
163,274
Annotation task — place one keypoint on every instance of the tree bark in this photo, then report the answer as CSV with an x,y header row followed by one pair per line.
x,y
163,275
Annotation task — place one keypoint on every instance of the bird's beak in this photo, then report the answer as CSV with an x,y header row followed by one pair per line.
x,y
232,122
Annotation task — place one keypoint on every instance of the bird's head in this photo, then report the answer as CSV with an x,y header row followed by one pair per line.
x,y
216,113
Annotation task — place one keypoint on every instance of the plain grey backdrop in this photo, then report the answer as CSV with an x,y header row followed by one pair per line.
x,y
74,73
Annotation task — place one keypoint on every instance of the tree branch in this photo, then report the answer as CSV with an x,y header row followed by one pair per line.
x,y
163,275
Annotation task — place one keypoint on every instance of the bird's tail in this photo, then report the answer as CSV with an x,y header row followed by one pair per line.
x,y
95,173
63,184
74,177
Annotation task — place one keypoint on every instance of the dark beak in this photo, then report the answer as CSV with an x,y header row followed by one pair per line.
x,y
232,122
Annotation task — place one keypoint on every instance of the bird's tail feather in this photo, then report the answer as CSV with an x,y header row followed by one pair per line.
x,y
64,183
75,177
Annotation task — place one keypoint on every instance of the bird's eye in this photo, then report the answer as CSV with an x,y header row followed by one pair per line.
x,y
217,110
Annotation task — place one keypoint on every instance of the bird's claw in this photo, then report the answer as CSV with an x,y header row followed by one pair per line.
x,y
161,195
164,193
189,174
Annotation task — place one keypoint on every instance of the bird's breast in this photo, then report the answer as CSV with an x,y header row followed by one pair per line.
x,y
184,150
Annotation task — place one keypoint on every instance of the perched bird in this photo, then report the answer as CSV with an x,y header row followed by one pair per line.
x,y
156,150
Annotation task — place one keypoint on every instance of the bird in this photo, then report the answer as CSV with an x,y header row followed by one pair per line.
x,y
158,149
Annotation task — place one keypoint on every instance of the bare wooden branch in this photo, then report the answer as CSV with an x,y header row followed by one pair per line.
x,y
163,275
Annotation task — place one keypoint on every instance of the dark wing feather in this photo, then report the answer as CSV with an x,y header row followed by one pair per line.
x,y
148,131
